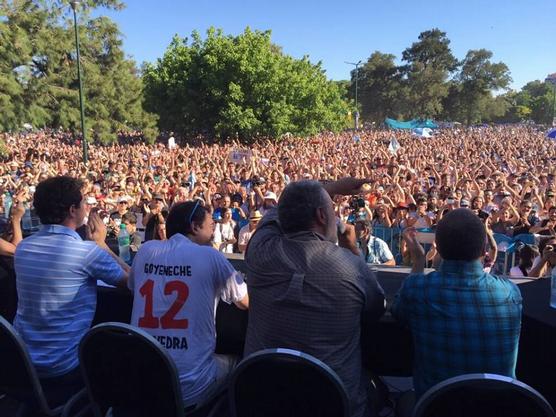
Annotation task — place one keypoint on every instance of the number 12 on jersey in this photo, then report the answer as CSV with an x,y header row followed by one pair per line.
x,y
167,320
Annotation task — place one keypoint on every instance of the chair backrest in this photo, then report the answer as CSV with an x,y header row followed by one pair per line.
x,y
284,382
18,377
127,370
482,395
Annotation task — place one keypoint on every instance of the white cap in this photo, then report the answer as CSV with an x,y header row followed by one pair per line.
x,y
271,196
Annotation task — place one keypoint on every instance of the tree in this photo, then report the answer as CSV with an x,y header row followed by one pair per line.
x,y
540,101
241,86
533,102
344,86
380,87
429,64
479,77
38,82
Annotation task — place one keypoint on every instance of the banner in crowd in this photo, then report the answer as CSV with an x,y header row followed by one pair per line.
x,y
424,132
238,155
411,124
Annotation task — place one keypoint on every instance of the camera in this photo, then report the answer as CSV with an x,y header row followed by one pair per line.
x,y
356,203
483,215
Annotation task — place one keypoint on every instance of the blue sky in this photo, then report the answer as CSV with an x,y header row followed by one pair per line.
x,y
520,33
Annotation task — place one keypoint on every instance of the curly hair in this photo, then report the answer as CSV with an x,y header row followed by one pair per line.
x,y
54,197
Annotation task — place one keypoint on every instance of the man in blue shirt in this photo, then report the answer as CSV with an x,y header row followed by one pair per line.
x,y
462,319
56,283
373,250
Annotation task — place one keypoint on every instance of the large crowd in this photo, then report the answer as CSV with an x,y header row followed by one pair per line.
x,y
505,174
303,211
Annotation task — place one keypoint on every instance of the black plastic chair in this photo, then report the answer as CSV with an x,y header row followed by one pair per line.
x,y
482,395
128,373
19,379
286,383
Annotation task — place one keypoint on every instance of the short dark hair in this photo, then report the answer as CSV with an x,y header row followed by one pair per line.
x,y
421,200
54,197
129,218
298,205
460,236
178,218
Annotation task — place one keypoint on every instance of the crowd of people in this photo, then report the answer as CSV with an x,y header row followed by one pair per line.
x,y
504,174
284,204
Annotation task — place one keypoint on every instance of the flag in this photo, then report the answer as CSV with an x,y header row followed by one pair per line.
x,y
394,146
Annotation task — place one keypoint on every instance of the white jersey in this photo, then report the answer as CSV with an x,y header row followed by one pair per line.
x,y
176,286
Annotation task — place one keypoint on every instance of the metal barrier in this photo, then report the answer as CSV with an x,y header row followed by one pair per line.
x,y
393,238
507,246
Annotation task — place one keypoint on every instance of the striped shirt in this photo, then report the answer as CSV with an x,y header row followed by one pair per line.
x,y
56,285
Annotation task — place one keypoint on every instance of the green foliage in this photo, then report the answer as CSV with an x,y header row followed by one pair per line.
x,y
429,64
381,89
240,86
534,102
38,70
434,84
478,78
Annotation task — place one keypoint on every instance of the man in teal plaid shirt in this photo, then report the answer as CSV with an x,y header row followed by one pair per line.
x,y
462,319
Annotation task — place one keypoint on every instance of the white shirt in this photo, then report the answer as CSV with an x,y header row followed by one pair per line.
x,y
171,142
176,286
245,234
223,232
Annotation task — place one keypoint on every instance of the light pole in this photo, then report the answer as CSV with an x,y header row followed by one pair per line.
x,y
551,79
74,5
356,64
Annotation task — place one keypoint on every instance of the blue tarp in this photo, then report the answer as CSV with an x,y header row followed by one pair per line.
x,y
411,124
